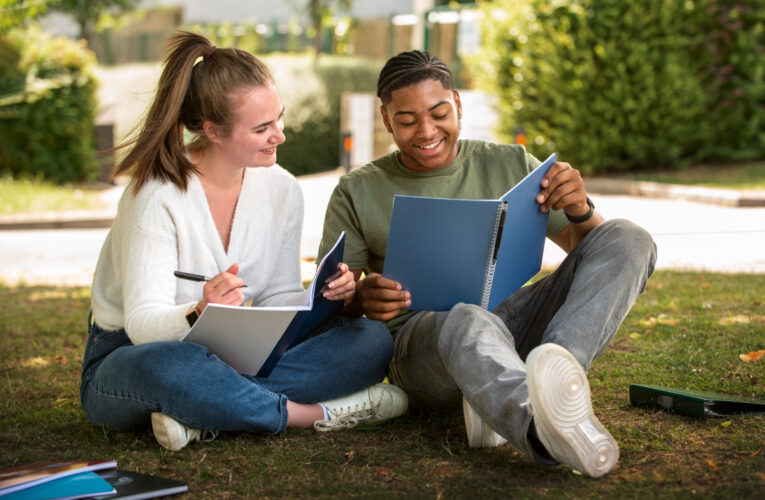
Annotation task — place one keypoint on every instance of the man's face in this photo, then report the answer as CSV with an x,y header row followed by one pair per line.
x,y
424,120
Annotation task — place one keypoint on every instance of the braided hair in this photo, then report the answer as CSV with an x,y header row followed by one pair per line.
x,y
409,68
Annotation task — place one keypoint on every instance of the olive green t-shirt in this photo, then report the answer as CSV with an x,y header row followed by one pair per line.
x,y
362,202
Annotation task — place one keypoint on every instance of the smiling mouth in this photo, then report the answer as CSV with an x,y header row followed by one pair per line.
x,y
268,151
432,145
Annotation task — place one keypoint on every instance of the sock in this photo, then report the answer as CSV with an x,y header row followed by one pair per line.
x,y
324,409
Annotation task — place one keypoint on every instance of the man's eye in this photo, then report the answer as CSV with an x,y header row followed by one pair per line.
x,y
440,117
406,124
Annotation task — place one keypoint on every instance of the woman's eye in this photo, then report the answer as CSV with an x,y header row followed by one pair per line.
x,y
261,130
440,117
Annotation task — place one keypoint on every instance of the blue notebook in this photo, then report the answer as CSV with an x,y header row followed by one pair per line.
x,y
253,339
445,251
84,484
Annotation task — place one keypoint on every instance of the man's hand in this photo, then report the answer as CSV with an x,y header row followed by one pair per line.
x,y
563,188
381,298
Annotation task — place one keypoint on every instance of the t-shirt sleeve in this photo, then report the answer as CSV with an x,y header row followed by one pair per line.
x,y
341,216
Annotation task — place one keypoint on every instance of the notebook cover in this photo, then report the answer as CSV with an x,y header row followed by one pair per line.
x,y
82,485
695,403
440,249
135,486
522,241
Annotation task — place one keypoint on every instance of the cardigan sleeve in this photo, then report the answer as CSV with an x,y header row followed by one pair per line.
x,y
149,287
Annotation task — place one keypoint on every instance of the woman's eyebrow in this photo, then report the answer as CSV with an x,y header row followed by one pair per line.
x,y
439,103
269,122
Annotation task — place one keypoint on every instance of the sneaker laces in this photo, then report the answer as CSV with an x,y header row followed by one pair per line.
x,y
345,417
201,435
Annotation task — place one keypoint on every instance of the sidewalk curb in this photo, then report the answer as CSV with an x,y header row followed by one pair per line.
x,y
595,186
725,197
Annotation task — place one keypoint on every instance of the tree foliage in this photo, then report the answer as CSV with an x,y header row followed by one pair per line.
x,y
14,13
87,12
618,85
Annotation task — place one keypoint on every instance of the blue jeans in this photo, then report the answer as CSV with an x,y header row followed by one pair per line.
x,y
469,352
122,383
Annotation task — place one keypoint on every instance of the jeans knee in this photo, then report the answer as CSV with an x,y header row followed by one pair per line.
x,y
465,325
163,363
633,243
373,343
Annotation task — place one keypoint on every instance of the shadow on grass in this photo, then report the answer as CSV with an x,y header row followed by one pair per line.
x,y
686,330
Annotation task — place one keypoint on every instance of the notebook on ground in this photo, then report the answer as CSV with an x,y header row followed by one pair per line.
x,y
695,403
28,475
135,486
81,485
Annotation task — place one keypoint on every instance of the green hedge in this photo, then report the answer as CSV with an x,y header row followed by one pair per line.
x,y
311,91
47,126
613,85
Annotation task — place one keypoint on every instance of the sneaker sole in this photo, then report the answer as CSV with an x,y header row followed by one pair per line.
x,y
559,396
479,434
165,428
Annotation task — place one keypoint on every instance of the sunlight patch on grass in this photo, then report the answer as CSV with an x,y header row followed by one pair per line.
x,y
36,362
743,319
32,195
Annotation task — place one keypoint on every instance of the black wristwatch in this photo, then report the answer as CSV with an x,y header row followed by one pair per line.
x,y
585,217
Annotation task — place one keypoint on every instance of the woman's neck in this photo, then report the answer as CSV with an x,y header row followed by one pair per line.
x,y
215,173
222,185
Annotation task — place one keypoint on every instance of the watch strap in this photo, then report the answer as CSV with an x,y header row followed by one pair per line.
x,y
582,218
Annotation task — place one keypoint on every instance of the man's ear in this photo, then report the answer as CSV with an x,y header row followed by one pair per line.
x,y
458,103
386,119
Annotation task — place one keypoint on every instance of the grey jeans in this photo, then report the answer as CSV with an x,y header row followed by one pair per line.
x,y
468,351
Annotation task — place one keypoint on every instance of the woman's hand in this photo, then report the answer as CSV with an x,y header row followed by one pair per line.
x,y
224,288
341,285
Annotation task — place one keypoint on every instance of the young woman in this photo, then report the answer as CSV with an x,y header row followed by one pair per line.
x,y
218,206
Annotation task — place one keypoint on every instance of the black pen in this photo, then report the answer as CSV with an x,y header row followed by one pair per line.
x,y
194,277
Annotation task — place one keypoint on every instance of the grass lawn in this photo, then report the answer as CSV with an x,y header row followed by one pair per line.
x,y
38,196
687,330
749,175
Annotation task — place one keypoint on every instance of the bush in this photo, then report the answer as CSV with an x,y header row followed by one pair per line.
x,y
735,47
610,85
47,126
311,91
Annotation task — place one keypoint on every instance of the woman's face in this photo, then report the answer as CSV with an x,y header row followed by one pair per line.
x,y
424,120
257,128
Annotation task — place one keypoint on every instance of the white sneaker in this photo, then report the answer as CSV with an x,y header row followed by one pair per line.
x,y
559,400
173,435
374,404
479,434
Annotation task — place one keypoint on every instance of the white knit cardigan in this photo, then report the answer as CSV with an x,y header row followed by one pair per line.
x,y
163,229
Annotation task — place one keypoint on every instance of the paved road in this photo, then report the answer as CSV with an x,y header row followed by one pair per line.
x,y
689,236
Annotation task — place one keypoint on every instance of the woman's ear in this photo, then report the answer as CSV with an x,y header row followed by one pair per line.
x,y
211,131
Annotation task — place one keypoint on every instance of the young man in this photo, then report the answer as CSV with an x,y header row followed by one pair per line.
x,y
519,370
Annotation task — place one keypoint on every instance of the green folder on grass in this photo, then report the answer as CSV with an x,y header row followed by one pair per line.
x,y
701,404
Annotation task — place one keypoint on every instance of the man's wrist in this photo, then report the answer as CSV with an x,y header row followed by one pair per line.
x,y
584,217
